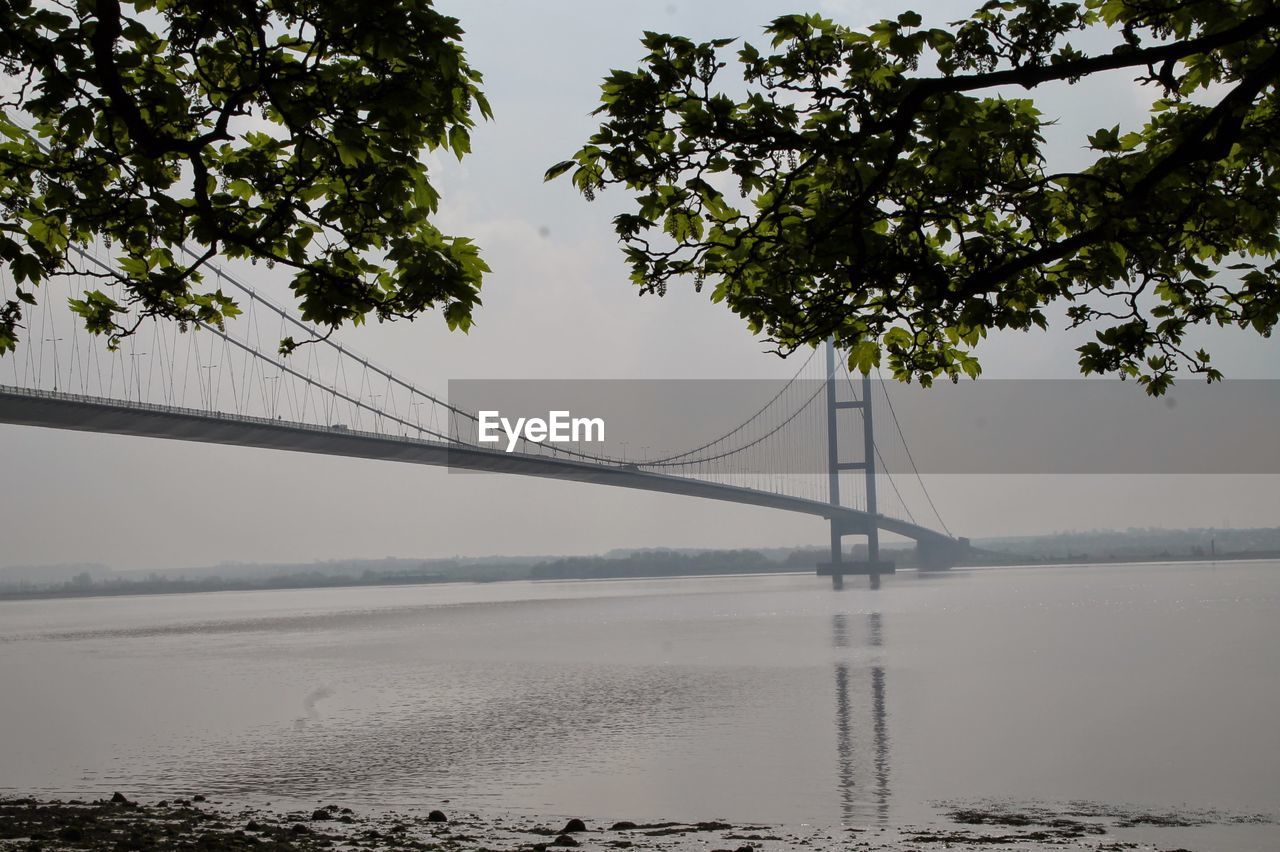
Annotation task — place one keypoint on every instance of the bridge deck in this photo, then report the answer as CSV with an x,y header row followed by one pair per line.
x,y
89,414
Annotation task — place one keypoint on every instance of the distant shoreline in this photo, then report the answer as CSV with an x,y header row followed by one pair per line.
x,y
149,587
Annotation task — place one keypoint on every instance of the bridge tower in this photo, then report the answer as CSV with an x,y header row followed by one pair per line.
x,y
838,567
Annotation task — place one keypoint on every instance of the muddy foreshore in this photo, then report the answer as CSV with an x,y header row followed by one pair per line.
x,y
120,824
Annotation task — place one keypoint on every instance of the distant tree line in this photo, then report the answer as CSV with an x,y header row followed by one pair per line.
x,y
1096,546
658,563
83,584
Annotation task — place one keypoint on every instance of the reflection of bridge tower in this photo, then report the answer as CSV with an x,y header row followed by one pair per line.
x,y
853,798
838,566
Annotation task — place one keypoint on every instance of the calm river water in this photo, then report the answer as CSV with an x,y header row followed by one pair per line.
x,y
767,698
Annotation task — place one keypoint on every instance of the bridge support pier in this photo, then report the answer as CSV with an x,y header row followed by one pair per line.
x,y
942,555
873,566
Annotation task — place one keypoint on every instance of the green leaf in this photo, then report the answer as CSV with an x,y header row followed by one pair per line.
x,y
558,169
459,141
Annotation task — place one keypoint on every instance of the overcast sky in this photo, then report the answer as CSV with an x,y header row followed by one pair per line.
x,y
558,305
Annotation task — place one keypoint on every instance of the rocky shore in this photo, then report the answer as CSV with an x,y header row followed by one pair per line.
x,y
120,824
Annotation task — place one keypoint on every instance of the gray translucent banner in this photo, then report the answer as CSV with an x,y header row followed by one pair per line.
x,y
716,427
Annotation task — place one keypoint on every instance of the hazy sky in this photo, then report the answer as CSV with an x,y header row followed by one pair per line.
x,y
558,305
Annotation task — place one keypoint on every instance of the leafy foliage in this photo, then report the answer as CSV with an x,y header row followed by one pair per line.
x,y
908,212
283,131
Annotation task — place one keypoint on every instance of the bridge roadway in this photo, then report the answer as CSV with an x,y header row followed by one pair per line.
x,y
58,410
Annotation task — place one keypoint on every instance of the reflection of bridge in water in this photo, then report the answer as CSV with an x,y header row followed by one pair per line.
x,y
230,386
846,746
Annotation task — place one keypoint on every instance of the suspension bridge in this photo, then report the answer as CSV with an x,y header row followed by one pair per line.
x,y
230,386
